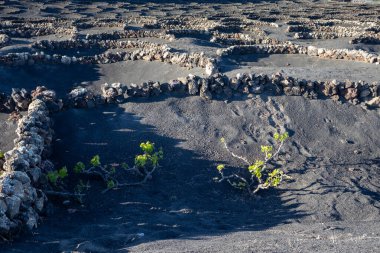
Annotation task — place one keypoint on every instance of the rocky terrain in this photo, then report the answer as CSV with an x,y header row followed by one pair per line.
x,y
85,78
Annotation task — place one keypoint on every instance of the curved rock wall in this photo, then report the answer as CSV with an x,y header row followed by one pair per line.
x,y
290,48
219,84
145,51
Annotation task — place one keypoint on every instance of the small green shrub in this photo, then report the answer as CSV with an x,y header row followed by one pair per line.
x,y
95,161
259,174
144,165
79,167
149,157
2,154
56,175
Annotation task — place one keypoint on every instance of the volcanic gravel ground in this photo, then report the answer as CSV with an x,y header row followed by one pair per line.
x,y
332,203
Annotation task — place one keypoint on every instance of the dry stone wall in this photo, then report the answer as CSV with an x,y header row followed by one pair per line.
x,y
290,48
143,51
21,202
221,85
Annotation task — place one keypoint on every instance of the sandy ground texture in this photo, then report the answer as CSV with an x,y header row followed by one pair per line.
x,y
333,154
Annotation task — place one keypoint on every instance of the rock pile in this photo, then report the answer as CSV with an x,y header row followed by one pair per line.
x,y
4,40
32,30
196,26
214,84
49,97
81,97
20,99
20,201
241,39
6,103
367,39
186,32
181,23
220,85
290,48
330,29
145,51
116,35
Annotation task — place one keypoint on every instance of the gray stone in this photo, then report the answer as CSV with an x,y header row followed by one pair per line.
x,y
193,86
204,90
13,203
31,219
20,176
3,207
9,187
35,173
5,224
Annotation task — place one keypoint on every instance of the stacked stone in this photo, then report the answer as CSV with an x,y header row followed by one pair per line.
x,y
86,23
325,28
192,84
186,32
102,22
367,39
294,87
241,39
145,89
249,27
290,48
49,97
146,51
21,98
32,30
129,34
220,85
353,92
328,30
153,54
4,40
94,43
298,28
261,23
81,97
182,23
141,20
114,93
7,104
20,202
346,54
285,48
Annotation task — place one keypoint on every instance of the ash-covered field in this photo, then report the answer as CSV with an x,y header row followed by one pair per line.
x,y
183,75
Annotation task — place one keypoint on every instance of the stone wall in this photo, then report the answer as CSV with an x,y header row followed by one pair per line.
x,y
290,48
221,85
143,51
21,201
4,40
241,39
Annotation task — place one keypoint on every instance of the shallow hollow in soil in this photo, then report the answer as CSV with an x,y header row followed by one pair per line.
x,y
333,183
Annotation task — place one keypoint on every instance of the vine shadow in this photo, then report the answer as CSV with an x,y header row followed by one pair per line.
x,y
181,201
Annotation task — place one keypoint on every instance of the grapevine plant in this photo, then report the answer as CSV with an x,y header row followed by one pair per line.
x,y
260,174
144,166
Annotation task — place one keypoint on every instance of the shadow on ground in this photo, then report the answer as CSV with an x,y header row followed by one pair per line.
x,y
181,201
58,77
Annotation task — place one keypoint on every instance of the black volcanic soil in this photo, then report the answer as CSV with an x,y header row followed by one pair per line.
x,y
333,154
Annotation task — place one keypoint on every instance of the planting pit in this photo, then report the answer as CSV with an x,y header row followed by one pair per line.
x,y
181,202
301,66
333,154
